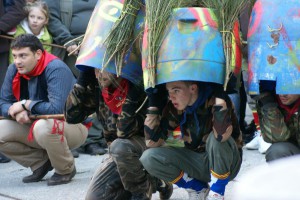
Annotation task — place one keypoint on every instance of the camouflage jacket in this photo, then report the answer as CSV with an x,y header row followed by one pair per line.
x,y
129,122
273,126
84,101
165,128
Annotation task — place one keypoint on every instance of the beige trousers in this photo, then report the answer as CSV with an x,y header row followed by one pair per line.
x,y
46,145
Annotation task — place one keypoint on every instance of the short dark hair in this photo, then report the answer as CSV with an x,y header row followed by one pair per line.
x,y
27,40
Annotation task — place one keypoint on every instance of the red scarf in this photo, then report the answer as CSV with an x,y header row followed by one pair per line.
x,y
290,110
37,70
115,100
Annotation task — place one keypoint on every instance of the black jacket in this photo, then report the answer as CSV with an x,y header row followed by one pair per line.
x,y
10,16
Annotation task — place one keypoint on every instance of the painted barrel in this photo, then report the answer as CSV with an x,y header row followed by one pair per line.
x,y
93,51
274,45
192,49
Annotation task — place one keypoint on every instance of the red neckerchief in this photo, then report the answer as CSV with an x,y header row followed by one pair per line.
x,y
290,110
37,70
115,100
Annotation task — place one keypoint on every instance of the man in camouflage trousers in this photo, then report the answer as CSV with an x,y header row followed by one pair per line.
x,y
197,140
280,123
121,176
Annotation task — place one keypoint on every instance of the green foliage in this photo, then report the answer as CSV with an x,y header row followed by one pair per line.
x,y
158,14
121,35
227,13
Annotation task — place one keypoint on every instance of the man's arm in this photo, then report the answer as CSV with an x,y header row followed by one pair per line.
x,y
6,95
13,15
151,126
9,105
59,82
222,119
271,120
83,98
157,126
58,30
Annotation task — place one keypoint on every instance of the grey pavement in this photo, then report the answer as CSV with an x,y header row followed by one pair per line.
x,y
12,187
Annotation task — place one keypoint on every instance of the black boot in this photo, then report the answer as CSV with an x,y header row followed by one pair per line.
x,y
249,132
75,153
165,189
147,195
140,196
94,149
39,173
58,179
3,158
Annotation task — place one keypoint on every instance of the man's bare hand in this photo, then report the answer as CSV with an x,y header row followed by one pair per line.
x,y
15,109
72,48
23,117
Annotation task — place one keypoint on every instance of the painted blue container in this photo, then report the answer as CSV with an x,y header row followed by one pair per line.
x,y
192,49
274,45
92,51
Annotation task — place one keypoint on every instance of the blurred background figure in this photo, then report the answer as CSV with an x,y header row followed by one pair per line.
x,y
69,20
11,14
277,180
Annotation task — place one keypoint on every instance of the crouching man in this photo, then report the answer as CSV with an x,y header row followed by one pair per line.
x,y
195,141
38,84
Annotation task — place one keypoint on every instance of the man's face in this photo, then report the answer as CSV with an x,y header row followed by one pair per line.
x,y
105,79
288,99
182,94
25,60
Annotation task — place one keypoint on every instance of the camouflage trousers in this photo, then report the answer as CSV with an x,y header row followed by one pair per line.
x,y
121,173
167,163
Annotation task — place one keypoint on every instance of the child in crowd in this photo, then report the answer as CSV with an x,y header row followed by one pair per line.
x,y
35,23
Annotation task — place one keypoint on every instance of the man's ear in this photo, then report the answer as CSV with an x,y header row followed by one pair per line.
x,y
194,88
39,54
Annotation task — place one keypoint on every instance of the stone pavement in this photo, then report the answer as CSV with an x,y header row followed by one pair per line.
x,y
12,187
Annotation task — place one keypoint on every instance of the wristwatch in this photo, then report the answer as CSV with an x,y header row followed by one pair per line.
x,y
23,104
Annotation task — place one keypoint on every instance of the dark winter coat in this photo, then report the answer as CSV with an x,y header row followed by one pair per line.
x,y
11,14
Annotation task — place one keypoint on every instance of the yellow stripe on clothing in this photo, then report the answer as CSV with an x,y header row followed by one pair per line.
x,y
220,176
178,178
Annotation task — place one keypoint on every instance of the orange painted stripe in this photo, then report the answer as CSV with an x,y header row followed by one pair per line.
x,y
220,176
178,178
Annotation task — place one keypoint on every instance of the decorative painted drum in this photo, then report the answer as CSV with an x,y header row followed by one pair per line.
x,y
192,49
274,45
92,52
